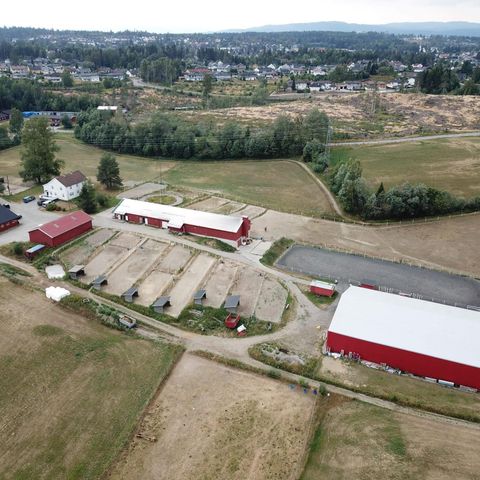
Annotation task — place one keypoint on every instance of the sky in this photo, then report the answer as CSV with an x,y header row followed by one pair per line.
x,y
214,15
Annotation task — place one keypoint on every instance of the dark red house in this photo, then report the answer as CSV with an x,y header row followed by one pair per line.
x,y
8,219
423,338
228,228
61,230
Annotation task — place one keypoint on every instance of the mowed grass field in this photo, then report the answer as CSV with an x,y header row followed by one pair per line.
x,y
451,164
71,390
80,156
357,440
278,185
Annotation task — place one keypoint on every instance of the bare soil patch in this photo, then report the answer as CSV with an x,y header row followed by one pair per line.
x,y
79,254
209,204
153,286
134,267
271,301
248,283
126,240
191,280
175,259
219,283
212,421
101,262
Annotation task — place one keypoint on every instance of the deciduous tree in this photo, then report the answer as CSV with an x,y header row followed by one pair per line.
x,y
38,154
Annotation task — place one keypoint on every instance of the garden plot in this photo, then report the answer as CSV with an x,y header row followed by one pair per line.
x,y
182,293
215,422
134,267
153,286
219,283
247,284
79,253
271,301
175,259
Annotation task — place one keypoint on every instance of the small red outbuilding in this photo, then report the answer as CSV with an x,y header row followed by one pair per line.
x,y
323,289
61,230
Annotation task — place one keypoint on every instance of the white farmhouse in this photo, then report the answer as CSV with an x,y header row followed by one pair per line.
x,y
65,187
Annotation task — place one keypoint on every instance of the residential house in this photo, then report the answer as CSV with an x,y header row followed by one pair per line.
x,y
65,187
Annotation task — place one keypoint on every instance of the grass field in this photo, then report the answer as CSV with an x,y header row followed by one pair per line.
x,y
71,390
80,156
279,185
448,164
357,440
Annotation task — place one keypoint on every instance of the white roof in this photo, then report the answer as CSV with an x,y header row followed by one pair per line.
x,y
177,216
320,284
428,328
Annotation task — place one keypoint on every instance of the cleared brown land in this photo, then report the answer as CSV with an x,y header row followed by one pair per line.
x,y
396,113
71,390
450,243
357,440
212,422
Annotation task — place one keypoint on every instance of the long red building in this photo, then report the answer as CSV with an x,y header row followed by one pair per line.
x,y
419,337
228,228
62,229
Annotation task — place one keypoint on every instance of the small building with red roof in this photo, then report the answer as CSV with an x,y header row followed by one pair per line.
x,y
61,230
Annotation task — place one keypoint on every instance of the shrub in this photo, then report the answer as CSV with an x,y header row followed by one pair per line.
x,y
17,249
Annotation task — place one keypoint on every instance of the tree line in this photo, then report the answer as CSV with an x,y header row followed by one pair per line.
x,y
167,135
399,202
31,95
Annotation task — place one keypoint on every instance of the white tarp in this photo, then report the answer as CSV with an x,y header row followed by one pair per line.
x,y
54,271
56,293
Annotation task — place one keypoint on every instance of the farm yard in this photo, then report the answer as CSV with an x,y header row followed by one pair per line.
x,y
71,390
280,185
431,244
158,268
448,164
212,421
357,440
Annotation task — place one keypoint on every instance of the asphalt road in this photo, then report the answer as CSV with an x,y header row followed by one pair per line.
x,y
428,284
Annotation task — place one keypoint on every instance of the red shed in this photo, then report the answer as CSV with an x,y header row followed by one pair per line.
x,y
323,289
61,230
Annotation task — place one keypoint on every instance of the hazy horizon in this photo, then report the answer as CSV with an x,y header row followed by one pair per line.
x,y
211,15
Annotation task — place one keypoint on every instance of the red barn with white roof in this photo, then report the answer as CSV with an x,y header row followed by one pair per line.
x,y
61,230
423,338
228,228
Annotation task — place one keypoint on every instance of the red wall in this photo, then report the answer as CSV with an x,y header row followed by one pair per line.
x,y
243,230
416,363
7,225
37,236
321,291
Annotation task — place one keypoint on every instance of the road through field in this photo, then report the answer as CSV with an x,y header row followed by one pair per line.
x,y
405,139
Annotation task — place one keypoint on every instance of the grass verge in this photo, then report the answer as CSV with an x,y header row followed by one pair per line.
x,y
277,249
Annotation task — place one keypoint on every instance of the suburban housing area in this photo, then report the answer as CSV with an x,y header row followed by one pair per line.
x,y
240,255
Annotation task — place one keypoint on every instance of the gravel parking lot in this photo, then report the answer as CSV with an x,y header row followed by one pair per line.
x,y
346,268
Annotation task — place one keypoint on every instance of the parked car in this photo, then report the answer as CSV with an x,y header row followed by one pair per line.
x,y
28,198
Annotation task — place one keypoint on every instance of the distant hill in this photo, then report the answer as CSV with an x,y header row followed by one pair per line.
x,y
416,28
